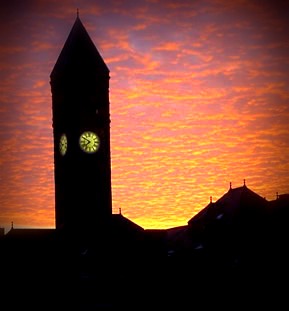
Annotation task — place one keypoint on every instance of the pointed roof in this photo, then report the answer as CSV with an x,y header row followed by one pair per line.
x,y
79,53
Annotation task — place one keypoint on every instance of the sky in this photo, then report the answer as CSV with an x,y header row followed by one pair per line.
x,y
199,98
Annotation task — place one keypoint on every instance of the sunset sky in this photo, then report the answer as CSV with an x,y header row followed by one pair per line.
x,y
199,98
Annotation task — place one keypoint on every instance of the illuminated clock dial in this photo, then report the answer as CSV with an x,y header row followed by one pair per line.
x,y
63,144
89,142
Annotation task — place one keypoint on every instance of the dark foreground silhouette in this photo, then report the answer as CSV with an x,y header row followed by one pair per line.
x,y
233,254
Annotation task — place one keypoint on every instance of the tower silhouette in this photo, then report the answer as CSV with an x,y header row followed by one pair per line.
x,y
81,130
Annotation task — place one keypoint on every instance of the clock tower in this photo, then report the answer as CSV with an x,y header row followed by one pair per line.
x,y
81,131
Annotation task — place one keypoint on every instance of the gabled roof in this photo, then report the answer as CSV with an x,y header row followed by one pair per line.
x,y
119,222
235,197
235,202
79,53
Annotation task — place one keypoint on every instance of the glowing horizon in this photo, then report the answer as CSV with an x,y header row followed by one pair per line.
x,y
199,97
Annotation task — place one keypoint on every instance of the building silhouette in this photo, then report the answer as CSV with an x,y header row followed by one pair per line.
x,y
232,250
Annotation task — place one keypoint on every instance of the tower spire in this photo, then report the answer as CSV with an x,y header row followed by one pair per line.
x,y
80,84
77,13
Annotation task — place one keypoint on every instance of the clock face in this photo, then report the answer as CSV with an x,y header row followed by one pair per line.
x,y
63,144
89,142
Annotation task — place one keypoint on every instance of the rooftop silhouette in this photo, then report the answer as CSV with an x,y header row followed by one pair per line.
x,y
96,260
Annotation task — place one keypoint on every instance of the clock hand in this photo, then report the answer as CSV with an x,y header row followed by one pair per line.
x,y
87,141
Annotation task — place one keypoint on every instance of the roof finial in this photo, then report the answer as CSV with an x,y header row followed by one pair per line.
x,y
244,182
77,13
230,185
211,199
11,224
119,210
